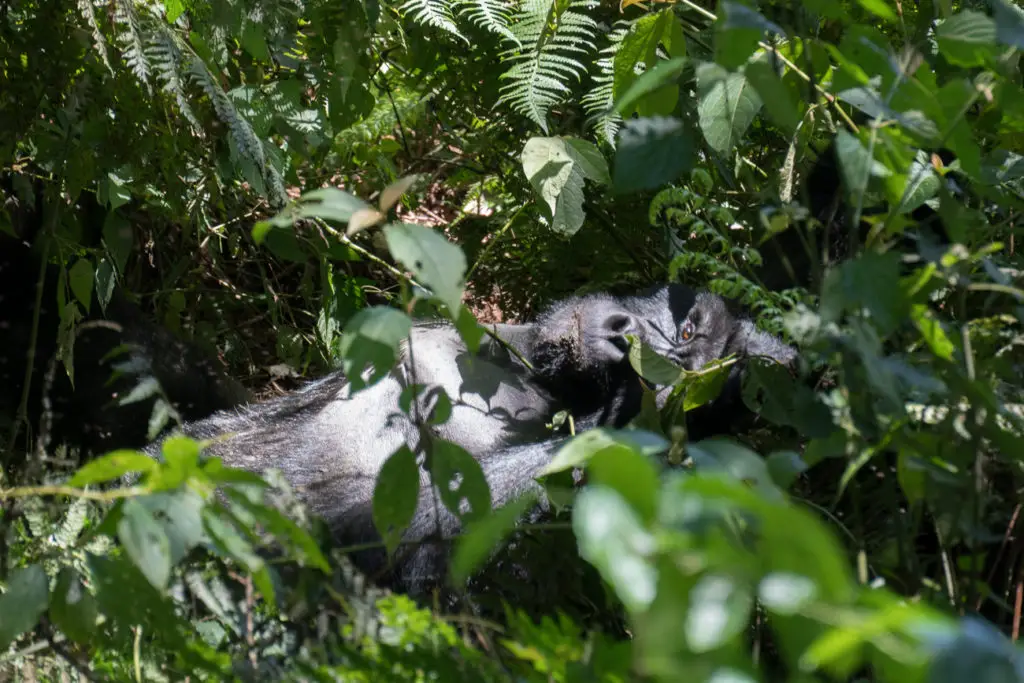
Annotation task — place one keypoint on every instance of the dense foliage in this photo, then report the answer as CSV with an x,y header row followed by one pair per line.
x,y
269,179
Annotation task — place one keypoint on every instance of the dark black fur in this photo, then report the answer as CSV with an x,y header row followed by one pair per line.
x,y
330,442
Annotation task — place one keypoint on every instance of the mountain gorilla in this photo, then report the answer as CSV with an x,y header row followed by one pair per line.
x,y
330,442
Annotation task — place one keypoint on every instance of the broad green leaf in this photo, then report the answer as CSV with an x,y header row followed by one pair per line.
x,y
146,543
80,277
868,284
112,466
371,342
395,496
778,102
1009,20
880,8
727,107
284,529
118,239
651,152
483,535
629,472
612,538
967,38
229,543
640,46
713,456
856,165
664,72
704,385
459,480
106,281
785,467
26,598
556,176
785,593
589,159
737,32
284,244
179,512
650,365
932,332
580,449
73,607
434,261
719,612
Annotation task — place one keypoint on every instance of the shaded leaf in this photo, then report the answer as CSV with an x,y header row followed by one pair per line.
x,y
395,496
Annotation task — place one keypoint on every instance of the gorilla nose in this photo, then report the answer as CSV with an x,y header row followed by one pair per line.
x,y
614,328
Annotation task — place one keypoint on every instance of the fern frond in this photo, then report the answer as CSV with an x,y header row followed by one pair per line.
x,y
494,16
435,13
165,52
598,102
133,42
558,34
88,11
243,139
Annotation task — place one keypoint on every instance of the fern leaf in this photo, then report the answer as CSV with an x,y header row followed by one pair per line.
x,y
243,139
494,16
559,34
133,42
598,102
165,52
435,13
88,11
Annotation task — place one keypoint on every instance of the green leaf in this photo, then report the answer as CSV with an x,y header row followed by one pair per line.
x,y
73,608
434,261
80,278
371,342
112,466
284,529
434,404
651,151
179,512
631,473
1009,20
778,102
785,593
582,448
727,106
664,72
118,239
705,385
25,600
612,538
146,543
785,467
483,535
738,31
880,9
106,281
740,463
967,39
589,159
555,175
640,46
856,165
932,332
651,365
719,612
395,496
459,480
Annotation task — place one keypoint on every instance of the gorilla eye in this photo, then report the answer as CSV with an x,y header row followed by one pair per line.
x,y
686,331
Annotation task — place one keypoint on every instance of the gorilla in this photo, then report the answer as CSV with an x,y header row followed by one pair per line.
x,y
330,442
